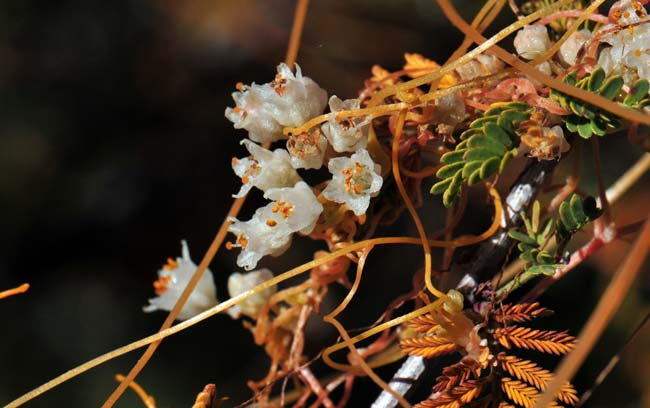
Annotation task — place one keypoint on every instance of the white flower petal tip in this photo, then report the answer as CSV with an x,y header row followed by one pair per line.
x,y
264,110
269,232
355,180
239,283
532,41
172,279
307,149
264,169
348,134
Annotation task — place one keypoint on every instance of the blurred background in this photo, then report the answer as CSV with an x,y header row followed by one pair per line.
x,y
114,147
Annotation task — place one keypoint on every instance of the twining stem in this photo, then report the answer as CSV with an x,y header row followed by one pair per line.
x,y
292,52
14,291
600,317
147,399
589,97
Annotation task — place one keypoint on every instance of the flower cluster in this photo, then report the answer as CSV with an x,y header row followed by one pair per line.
x,y
172,279
629,37
290,101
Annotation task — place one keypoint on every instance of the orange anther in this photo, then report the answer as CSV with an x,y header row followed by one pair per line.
x,y
245,179
357,189
236,109
234,160
239,86
286,211
630,29
626,14
271,223
637,53
358,167
228,245
171,265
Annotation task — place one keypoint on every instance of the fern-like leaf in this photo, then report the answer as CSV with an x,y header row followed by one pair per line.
x,y
426,324
486,148
526,370
545,341
456,374
521,393
456,397
575,213
428,346
520,313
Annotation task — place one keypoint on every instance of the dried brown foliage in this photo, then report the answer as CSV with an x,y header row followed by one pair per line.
x,y
502,379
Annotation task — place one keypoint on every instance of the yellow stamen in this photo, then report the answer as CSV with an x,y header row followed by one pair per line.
x,y
170,265
162,284
630,29
286,211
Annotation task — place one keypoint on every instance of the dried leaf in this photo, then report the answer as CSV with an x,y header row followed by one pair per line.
x,y
520,393
456,374
428,346
545,341
426,324
419,65
380,74
520,313
456,397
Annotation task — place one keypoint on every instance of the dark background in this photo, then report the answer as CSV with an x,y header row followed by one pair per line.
x,y
114,147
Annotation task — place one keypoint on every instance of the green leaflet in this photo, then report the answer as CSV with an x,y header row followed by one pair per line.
x,y
486,147
588,120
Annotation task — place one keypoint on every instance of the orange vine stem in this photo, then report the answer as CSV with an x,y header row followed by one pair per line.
x,y
14,291
292,52
600,317
148,400
331,319
409,204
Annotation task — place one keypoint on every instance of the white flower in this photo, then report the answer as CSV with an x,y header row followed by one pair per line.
x,y
629,54
269,232
289,100
355,180
296,206
307,149
264,169
257,238
484,64
172,279
349,134
532,41
569,50
239,283
449,112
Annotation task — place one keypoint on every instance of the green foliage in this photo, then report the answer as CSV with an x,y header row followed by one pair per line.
x,y
586,119
573,214
486,148
531,244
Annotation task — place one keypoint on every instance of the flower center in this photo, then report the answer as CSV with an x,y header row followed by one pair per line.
x,y
356,179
